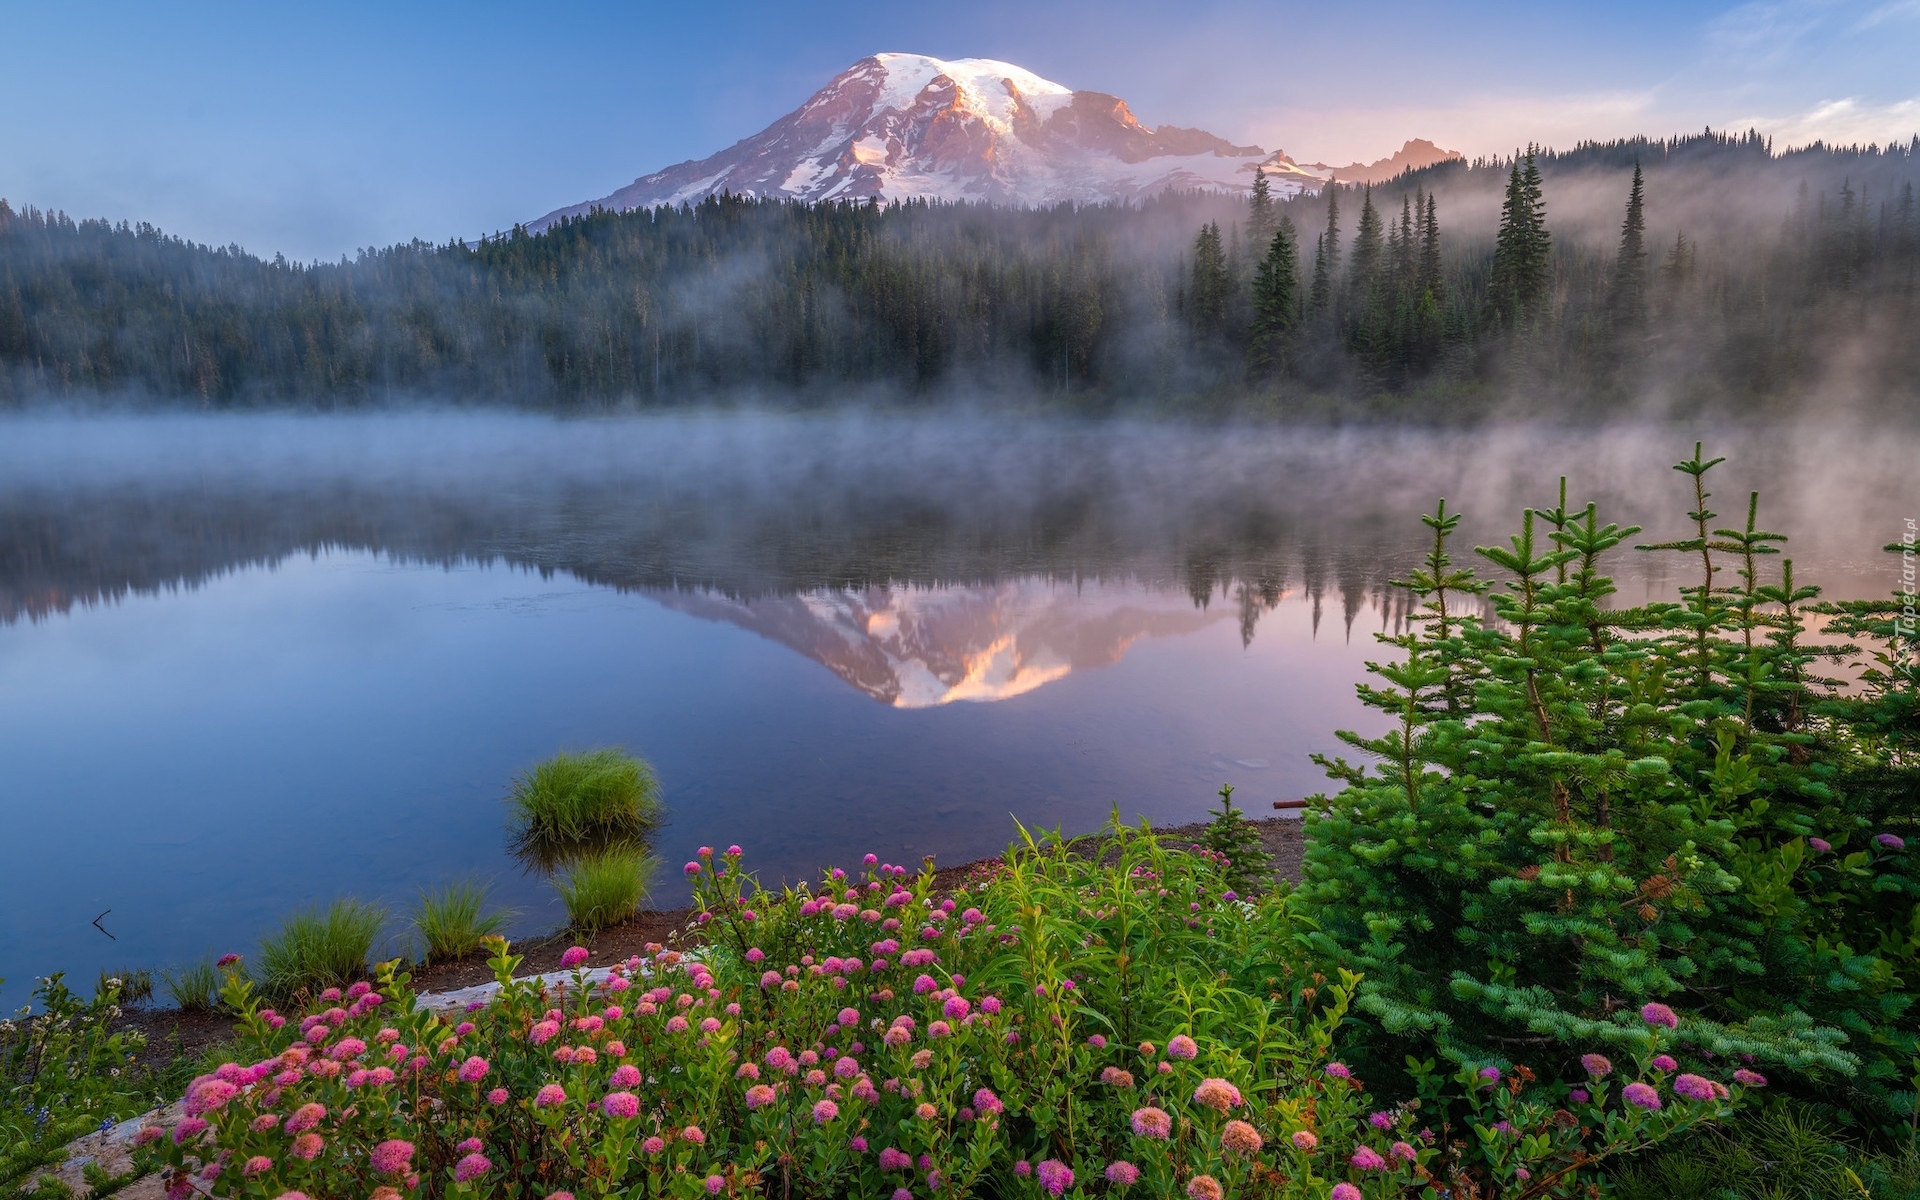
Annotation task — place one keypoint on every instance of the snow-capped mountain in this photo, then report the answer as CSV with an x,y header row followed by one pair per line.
x,y
905,125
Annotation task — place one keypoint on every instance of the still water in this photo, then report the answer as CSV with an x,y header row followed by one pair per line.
x,y
251,663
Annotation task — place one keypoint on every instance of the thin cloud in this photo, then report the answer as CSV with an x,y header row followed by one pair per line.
x,y
1845,122
1473,125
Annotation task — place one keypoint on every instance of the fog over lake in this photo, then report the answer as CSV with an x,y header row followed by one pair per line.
x,y
249,663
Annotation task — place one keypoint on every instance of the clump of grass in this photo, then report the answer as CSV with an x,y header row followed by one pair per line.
x,y
452,920
136,985
573,802
194,987
606,887
319,948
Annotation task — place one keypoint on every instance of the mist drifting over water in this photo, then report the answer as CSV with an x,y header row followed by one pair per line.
x,y
250,660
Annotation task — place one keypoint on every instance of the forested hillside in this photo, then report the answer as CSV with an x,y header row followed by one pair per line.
x,y
1702,272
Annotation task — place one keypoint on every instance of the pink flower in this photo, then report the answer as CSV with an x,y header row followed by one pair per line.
x,y
1054,1176
1152,1123
716,1184
306,1117
692,868
857,1145
1241,1138
543,1033
1338,1071
1217,1094
1663,1062
1891,841
985,1101
1182,1046
258,1164
894,1160
1304,1140
470,1168
1123,1173
653,1145
1693,1087
1578,1096
473,1070
549,1096
958,1006
1404,1151
1596,1065
1344,1191
1367,1159
1204,1187
1490,1074
1023,1168
621,1104
347,1049
694,1134
1820,845
472,1145
824,1111
308,1146
392,1157
1641,1095
1659,1014
1750,1078
497,1096
760,1095
676,1024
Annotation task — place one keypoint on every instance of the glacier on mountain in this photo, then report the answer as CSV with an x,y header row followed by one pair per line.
x,y
900,126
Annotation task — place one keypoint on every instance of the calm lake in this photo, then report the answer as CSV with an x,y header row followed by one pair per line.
x,y
250,663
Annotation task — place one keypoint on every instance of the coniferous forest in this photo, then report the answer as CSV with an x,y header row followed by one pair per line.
x,y
1704,273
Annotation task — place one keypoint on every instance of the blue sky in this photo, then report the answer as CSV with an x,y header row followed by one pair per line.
x,y
312,130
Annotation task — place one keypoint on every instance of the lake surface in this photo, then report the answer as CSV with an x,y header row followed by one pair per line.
x,y
249,663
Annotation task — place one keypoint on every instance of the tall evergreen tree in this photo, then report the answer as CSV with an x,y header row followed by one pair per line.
x,y
1320,295
1330,241
1368,251
1208,293
1427,281
1522,251
1276,303
1627,294
1261,221
1403,255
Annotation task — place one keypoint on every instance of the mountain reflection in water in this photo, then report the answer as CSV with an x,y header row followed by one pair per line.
x,y
250,662
916,647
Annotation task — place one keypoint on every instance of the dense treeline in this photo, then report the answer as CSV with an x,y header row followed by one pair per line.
x,y
1705,270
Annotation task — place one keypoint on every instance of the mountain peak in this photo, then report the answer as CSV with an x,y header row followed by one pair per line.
x,y
895,126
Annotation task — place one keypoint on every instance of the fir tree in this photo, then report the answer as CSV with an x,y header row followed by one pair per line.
x,y
1261,221
1627,293
1208,293
1368,252
1522,251
1276,303
1428,281
1320,294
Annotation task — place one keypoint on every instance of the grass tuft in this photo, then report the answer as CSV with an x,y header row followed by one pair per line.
x,y
194,987
574,802
319,948
136,984
605,888
452,920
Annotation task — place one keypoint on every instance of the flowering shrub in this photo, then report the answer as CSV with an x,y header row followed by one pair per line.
x,y
65,1070
1059,1025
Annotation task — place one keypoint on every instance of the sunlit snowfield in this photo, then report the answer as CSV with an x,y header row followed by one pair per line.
x,y
248,663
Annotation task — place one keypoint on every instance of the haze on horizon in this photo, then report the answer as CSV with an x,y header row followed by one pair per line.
x,y
312,132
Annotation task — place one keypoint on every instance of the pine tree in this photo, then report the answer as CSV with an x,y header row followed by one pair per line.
x,y
1276,303
1329,255
1368,252
1320,294
1261,222
1402,255
1208,295
1517,284
1627,294
1428,281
